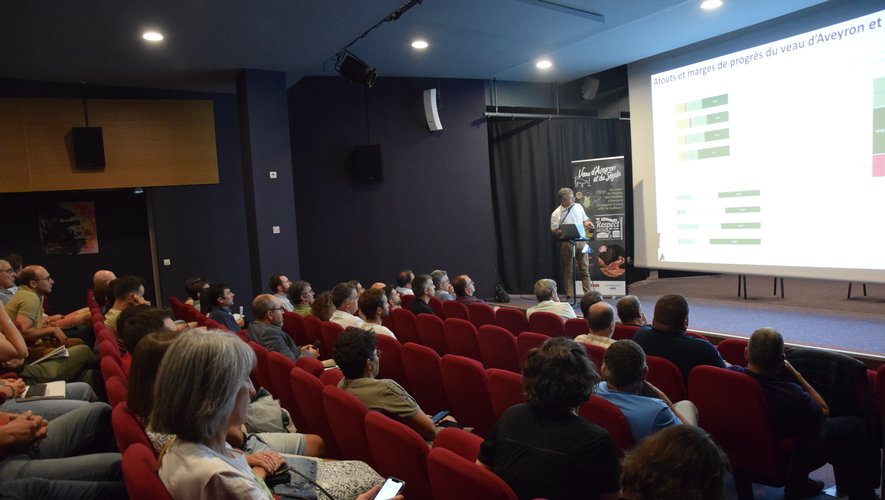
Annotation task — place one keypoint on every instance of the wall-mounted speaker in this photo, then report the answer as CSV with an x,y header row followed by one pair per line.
x,y
430,110
88,148
589,88
353,68
364,164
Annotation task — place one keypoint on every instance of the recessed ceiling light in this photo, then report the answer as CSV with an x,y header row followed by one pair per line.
x,y
711,4
544,64
420,44
152,36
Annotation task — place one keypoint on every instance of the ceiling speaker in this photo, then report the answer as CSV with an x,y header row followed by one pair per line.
x,y
356,70
430,110
88,148
589,88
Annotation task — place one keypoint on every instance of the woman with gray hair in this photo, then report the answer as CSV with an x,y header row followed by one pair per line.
x,y
201,390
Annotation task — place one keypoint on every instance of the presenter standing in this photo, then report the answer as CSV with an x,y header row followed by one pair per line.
x,y
568,212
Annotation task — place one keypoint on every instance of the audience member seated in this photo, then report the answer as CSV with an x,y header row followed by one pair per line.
x,y
344,298
630,311
404,282
26,308
357,355
393,298
588,300
601,322
193,287
198,463
798,410
542,448
136,322
444,290
373,306
7,282
464,289
301,296
75,446
147,358
548,301
666,337
128,292
103,296
280,285
358,286
267,329
15,260
646,408
322,306
422,287
678,462
216,305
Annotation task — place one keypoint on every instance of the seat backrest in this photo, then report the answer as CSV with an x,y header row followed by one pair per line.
x,y
505,389
313,328
422,367
332,377
406,300
498,348
111,368
391,365
404,325
455,309
525,342
311,365
481,314
331,332
609,417
624,332
140,474
512,319
880,393
461,338
467,389
260,374
116,389
697,335
308,392
178,308
278,368
128,430
431,333
732,351
397,450
108,349
454,477
437,307
546,323
739,423
462,443
574,327
293,325
346,415
666,376
595,353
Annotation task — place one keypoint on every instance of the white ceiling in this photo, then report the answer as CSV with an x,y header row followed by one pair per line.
x,y
208,42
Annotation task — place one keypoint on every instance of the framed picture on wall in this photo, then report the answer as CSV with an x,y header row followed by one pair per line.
x,y
68,228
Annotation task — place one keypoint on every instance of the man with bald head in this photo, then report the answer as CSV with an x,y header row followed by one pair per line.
x,y
666,337
601,322
267,329
796,409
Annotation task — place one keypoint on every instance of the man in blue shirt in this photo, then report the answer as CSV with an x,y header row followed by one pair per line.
x,y
646,408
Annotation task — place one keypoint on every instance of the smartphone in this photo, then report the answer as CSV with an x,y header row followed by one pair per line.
x,y
439,416
391,488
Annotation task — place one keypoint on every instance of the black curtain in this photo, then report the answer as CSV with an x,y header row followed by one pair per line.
x,y
531,160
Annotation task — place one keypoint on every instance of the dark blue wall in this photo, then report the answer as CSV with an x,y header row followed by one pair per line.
x,y
434,206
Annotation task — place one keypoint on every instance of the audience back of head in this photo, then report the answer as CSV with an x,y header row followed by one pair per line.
x,y
671,313
353,349
588,300
558,376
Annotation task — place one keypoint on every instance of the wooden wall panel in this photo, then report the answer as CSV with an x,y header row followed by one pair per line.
x,y
146,143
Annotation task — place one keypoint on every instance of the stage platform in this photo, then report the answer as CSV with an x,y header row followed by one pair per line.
x,y
812,313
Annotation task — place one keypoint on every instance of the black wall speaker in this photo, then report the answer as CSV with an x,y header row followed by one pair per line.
x,y
356,70
88,148
364,164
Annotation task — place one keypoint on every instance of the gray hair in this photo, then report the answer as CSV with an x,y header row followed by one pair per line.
x,y
565,192
545,289
197,384
438,276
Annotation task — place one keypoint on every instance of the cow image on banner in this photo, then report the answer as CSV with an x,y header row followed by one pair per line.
x,y
599,187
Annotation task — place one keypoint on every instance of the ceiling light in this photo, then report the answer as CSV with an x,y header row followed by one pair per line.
x,y
420,44
152,36
711,4
544,64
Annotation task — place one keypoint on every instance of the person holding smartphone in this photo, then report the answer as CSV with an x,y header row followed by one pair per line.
x,y
357,355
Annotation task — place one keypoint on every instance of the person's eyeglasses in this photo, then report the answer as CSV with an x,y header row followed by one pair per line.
x,y
8,271
275,308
